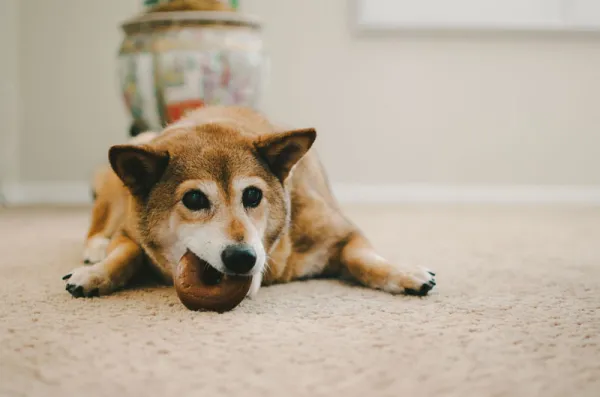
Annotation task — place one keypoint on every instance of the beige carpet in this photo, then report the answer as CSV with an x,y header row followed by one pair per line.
x,y
516,313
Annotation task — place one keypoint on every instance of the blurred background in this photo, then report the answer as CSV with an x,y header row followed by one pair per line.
x,y
423,114
415,101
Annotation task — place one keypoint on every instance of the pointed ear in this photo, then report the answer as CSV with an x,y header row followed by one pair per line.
x,y
283,150
138,166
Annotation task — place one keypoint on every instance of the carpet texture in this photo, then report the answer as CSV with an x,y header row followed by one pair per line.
x,y
516,313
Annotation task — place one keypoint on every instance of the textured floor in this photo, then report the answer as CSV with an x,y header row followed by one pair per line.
x,y
516,313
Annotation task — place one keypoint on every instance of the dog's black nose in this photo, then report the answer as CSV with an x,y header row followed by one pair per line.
x,y
239,258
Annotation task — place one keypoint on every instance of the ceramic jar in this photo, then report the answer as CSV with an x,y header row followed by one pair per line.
x,y
172,62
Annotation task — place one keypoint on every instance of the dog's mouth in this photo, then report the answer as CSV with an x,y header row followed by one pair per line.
x,y
202,287
210,276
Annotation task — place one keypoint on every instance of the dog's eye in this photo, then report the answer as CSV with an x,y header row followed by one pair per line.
x,y
251,197
195,200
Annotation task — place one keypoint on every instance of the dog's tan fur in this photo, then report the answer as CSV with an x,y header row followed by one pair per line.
x,y
138,215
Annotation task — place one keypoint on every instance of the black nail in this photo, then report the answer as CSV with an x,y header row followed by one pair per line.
x,y
425,288
432,273
432,282
87,261
77,292
67,276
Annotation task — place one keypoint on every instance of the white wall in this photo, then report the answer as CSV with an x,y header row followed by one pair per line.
x,y
73,108
9,91
442,110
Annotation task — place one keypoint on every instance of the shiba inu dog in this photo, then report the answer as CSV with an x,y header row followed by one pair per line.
x,y
244,195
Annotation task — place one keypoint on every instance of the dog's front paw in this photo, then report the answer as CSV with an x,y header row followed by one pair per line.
x,y
88,281
95,249
426,284
417,282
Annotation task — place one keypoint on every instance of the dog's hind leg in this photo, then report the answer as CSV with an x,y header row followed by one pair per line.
x,y
372,270
97,240
107,217
124,258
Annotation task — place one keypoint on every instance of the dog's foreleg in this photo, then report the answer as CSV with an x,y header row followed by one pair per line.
x,y
370,269
112,273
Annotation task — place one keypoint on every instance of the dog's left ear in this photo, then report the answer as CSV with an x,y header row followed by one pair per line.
x,y
283,150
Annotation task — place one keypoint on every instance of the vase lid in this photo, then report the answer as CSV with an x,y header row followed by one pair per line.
x,y
190,17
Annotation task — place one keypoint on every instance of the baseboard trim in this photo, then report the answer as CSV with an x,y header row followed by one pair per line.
x,y
447,194
78,193
46,193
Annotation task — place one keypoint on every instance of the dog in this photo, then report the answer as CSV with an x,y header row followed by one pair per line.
x,y
246,196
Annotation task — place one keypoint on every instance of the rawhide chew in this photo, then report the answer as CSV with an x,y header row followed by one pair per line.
x,y
201,287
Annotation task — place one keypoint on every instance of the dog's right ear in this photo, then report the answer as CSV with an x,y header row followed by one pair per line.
x,y
138,166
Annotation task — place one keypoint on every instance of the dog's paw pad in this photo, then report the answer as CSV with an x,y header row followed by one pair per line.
x,y
75,290
425,286
424,290
88,281
414,281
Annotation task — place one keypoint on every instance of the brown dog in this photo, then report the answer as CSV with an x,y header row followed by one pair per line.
x,y
240,193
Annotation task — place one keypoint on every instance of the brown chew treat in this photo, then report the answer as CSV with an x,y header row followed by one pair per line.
x,y
201,287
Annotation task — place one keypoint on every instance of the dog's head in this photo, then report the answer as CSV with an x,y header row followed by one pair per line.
x,y
211,190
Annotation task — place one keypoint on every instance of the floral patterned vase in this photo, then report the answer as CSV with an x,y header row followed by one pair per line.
x,y
172,62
